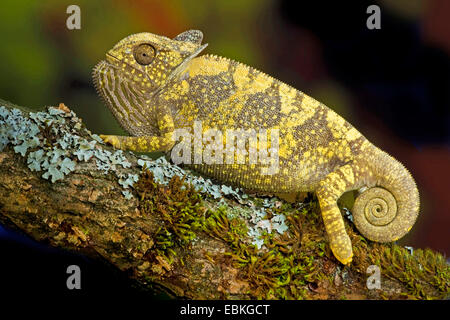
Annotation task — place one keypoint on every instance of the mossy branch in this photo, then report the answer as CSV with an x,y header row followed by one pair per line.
x,y
59,186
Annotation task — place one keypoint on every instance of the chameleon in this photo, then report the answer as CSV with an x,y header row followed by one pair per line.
x,y
155,85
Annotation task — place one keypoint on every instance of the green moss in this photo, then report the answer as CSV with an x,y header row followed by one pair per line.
x,y
425,273
220,225
294,265
297,259
281,272
179,207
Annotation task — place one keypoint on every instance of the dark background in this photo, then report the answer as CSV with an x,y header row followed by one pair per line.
x,y
392,84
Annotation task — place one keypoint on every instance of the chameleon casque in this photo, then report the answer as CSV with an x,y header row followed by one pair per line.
x,y
154,85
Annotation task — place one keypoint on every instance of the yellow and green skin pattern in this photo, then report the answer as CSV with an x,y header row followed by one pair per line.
x,y
154,85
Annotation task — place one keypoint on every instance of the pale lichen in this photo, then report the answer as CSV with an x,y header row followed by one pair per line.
x,y
51,146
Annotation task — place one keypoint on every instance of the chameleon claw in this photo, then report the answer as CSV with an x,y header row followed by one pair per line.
x,y
345,261
112,140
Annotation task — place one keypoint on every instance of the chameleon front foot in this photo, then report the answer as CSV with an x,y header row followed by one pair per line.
x,y
140,144
112,140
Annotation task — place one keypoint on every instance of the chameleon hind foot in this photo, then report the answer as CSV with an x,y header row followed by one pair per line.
x,y
340,242
331,188
341,246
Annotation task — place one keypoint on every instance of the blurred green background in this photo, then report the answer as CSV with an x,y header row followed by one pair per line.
x,y
393,84
46,63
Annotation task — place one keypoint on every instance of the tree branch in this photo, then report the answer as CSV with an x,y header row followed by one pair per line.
x,y
192,238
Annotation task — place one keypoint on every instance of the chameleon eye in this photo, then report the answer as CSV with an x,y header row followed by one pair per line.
x,y
144,54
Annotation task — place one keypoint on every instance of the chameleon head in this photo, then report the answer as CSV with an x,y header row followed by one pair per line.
x,y
143,63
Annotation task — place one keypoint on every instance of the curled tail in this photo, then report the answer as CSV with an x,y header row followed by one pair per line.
x,y
388,210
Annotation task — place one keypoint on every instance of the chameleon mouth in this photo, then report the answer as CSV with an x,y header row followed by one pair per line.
x,y
111,59
114,62
182,66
